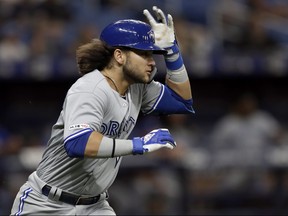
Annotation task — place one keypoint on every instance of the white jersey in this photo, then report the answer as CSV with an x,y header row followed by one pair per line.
x,y
92,103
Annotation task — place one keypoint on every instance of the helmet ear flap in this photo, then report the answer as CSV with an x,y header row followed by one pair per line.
x,y
132,34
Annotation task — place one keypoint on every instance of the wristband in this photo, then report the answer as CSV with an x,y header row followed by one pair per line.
x,y
110,147
173,49
173,58
137,146
176,70
174,62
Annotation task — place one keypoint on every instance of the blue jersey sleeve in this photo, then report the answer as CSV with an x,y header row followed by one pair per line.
x,y
169,102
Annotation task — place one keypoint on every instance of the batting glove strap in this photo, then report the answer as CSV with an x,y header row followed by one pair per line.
x,y
137,146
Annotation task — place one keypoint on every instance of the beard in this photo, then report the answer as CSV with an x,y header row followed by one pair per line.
x,y
132,74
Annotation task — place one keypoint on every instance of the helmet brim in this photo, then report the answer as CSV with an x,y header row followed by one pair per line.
x,y
154,48
159,51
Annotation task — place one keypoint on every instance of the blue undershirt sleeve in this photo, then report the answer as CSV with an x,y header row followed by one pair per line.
x,y
75,144
172,103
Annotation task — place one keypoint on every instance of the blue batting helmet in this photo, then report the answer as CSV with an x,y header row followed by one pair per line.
x,y
132,34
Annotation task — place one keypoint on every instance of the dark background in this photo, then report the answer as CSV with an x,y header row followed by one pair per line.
x,y
33,103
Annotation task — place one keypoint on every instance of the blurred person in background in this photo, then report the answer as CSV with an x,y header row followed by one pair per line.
x,y
266,25
10,146
10,167
241,141
243,136
13,52
250,25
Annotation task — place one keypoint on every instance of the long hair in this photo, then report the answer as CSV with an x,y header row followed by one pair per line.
x,y
93,55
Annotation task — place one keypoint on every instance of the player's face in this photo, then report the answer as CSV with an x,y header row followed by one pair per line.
x,y
139,66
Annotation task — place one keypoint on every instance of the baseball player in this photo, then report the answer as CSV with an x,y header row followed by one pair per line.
x,y
100,110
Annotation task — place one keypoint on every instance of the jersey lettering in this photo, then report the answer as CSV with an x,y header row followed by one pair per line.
x,y
128,124
115,129
103,128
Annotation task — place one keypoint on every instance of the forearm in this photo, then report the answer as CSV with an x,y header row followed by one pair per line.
x,y
177,78
99,146
183,89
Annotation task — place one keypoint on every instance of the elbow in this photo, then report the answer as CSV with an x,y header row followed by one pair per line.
x,y
72,152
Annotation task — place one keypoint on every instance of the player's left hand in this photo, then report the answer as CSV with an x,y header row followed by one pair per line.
x,y
156,139
163,27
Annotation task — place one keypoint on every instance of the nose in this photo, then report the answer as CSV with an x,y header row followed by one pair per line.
x,y
151,61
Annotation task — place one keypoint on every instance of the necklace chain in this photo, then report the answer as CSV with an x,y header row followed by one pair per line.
x,y
113,83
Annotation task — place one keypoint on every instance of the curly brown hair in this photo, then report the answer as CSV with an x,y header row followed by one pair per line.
x,y
93,55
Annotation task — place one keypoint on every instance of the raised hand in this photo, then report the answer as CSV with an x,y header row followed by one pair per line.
x,y
163,27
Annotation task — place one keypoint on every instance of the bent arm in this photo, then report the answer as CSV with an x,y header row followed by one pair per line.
x,y
91,144
176,96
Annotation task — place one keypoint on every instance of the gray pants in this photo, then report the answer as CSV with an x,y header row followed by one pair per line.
x,y
31,201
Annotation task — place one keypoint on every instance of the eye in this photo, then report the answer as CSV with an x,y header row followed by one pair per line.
x,y
144,53
148,53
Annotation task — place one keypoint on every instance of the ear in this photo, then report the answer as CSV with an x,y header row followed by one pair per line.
x,y
120,56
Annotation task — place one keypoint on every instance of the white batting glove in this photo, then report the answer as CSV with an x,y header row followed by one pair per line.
x,y
156,139
165,38
163,28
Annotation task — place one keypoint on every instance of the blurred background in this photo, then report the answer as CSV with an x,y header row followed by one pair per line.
x,y
232,155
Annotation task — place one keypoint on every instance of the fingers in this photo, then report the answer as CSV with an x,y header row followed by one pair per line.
x,y
169,146
168,139
160,17
174,144
156,146
170,22
159,14
149,17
